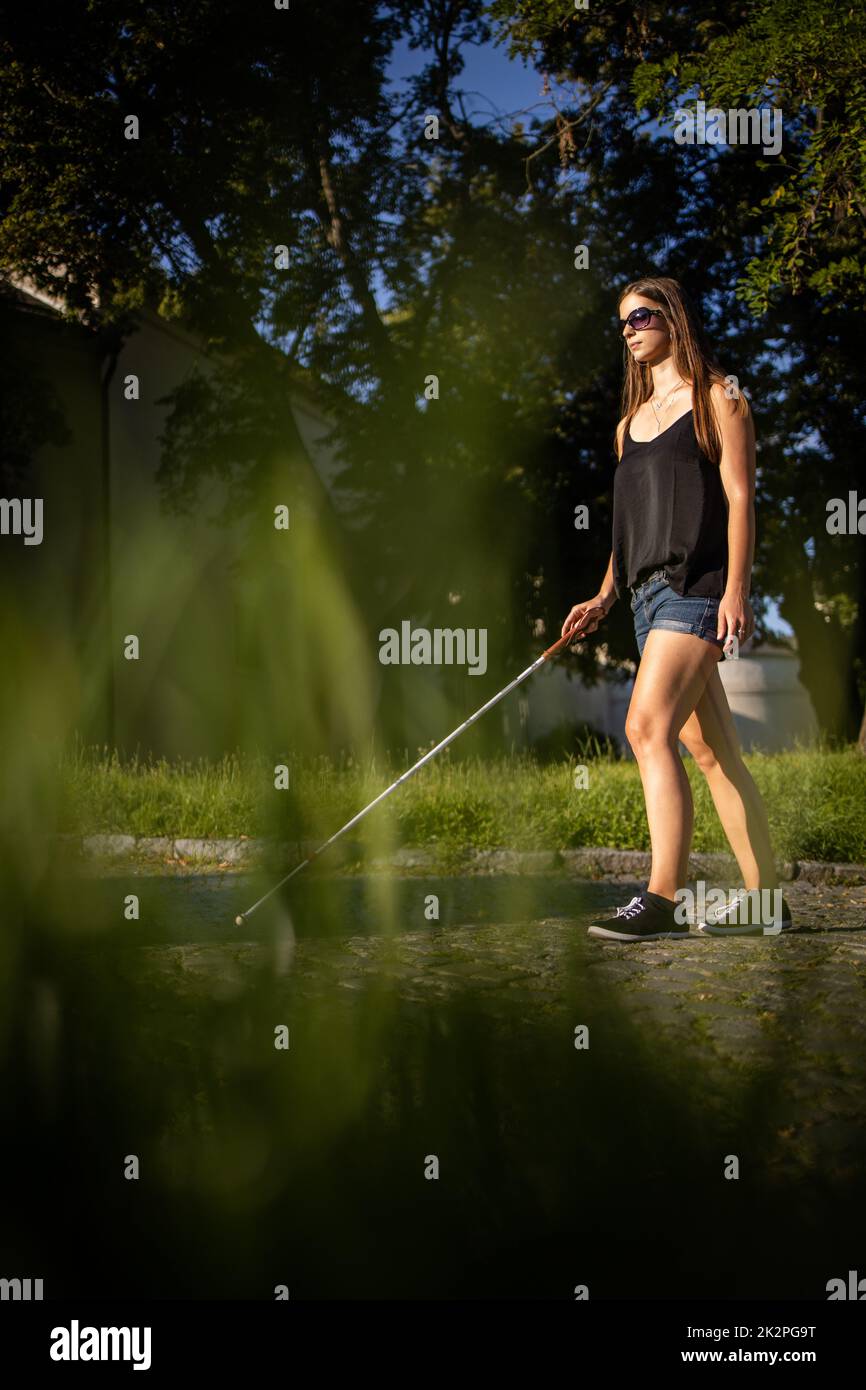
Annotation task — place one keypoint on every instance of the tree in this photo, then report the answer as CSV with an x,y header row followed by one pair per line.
x,y
408,257
801,274
805,58
419,253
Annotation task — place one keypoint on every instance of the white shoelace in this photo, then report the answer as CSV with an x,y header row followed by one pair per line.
x,y
631,909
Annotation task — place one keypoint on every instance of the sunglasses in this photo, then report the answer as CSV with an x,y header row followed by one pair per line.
x,y
640,318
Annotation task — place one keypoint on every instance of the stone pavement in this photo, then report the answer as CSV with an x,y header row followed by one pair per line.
x,y
772,1022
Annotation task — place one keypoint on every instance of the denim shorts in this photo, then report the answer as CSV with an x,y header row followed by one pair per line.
x,y
654,604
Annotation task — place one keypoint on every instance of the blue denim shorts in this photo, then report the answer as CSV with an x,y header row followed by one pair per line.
x,y
654,604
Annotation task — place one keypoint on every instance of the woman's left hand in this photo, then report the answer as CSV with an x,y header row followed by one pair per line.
x,y
736,618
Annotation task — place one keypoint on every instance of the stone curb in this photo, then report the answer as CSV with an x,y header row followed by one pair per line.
x,y
582,863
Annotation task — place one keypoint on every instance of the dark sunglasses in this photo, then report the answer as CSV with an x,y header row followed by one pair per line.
x,y
640,318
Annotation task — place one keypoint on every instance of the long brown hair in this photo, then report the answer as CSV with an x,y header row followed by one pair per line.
x,y
694,358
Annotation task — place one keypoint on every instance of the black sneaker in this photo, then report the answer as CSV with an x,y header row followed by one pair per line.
x,y
746,918
647,917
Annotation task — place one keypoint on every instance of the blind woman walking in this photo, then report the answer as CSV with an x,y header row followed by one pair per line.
x,y
682,550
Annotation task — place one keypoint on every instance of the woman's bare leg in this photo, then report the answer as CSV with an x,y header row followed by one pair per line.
x,y
711,737
673,673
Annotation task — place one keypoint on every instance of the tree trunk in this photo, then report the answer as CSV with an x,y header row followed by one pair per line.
x,y
826,654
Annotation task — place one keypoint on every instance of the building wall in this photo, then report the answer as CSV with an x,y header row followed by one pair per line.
x,y
169,576
770,705
115,563
175,582
58,586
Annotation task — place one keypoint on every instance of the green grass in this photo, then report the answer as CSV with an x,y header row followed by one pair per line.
x,y
816,799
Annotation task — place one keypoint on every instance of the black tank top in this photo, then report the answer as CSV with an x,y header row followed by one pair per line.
x,y
670,512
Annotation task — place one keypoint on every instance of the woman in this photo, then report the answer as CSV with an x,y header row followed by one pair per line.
x,y
683,544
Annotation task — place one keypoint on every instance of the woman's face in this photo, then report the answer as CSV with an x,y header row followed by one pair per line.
x,y
651,344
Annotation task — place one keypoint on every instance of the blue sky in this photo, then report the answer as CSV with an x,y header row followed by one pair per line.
x,y
492,83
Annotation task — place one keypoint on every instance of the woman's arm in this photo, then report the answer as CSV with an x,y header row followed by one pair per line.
x,y
607,592
603,602
737,469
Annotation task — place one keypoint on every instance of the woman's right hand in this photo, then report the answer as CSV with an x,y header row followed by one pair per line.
x,y
593,610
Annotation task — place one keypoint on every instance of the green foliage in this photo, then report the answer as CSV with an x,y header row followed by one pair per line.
x,y
804,57
411,257
816,799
